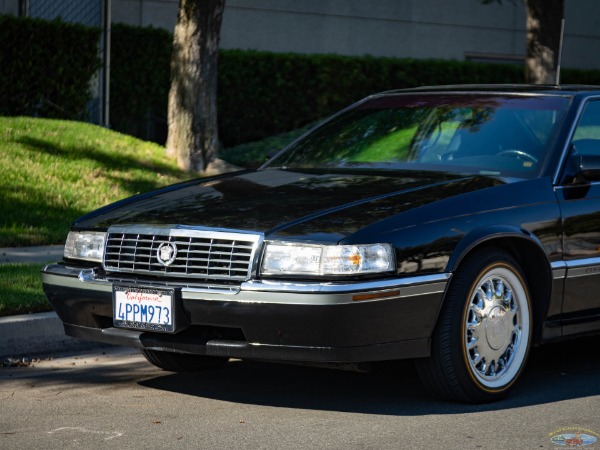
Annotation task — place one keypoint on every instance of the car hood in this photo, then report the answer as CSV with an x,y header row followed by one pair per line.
x,y
309,205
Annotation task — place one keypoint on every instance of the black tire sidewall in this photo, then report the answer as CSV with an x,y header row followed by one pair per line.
x,y
449,340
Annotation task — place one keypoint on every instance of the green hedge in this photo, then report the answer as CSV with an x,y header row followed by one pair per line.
x,y
46,67
577,76
139,81
260,94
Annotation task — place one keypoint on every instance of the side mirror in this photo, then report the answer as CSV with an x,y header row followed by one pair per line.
x,y
585,168
584,161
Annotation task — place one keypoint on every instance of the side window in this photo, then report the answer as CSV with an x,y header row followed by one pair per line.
x,y
587,135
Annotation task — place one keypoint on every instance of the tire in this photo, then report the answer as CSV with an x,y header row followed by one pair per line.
x,y
482,338
182,362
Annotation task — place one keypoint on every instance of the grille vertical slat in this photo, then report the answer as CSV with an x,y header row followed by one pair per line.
x,y
200,254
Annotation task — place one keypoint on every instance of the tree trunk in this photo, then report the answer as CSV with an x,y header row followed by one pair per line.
x,y
192,116
543,40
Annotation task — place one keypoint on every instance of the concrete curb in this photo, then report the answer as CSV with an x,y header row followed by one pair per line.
x,y
33,335
40,254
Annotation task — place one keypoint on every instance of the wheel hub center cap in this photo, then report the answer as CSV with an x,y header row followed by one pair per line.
x,y
496,329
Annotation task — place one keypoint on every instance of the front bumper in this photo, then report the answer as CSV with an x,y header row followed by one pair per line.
x,y
316,322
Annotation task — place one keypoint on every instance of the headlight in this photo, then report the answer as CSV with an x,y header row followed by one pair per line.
x,y
87,245
302,259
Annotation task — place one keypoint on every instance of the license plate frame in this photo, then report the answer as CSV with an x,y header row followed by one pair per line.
x,y
144,308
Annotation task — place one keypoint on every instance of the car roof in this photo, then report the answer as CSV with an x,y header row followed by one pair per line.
x,y
566,89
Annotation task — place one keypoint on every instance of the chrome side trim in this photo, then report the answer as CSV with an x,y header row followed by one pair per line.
x,y
283,286
575,268
559,270
262,292
583,267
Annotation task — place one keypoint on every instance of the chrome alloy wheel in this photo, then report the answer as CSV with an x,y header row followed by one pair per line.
x,y
496,327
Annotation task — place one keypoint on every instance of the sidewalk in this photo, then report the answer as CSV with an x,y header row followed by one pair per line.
x,y
35,335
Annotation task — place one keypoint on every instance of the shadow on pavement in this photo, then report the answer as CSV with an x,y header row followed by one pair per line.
x,y
555,372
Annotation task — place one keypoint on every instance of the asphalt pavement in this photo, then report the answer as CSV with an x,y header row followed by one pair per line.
x,y
35,335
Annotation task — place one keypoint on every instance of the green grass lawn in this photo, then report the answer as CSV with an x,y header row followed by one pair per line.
x,y
21,289
53,171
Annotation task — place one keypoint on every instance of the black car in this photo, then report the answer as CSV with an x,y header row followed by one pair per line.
x,y
457,226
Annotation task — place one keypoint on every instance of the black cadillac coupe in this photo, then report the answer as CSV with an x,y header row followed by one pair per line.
x,y
457,226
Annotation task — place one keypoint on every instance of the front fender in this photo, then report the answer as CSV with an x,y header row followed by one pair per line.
x,y
488,234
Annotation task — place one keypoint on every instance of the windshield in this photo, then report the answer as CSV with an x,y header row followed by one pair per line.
x,y
476,134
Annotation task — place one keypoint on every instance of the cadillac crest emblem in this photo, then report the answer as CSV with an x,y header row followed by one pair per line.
x,y
166,253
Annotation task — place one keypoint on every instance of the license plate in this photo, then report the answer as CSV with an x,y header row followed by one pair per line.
x,y
143,308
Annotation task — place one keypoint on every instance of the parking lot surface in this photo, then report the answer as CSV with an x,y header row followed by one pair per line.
x,y
114,397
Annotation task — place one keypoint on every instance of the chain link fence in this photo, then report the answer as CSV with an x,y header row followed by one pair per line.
x,y
85,12
92,13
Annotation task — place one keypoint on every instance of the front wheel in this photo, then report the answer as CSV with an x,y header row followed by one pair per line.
x,y
182,362
483,335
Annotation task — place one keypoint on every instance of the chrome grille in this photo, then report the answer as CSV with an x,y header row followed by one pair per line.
x,y
201,253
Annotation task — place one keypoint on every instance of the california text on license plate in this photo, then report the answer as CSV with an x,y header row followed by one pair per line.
x,y
143,308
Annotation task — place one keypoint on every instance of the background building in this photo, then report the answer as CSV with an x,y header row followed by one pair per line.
x,y
457,29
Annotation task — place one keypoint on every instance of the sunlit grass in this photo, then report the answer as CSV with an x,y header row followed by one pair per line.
x,y
53,171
